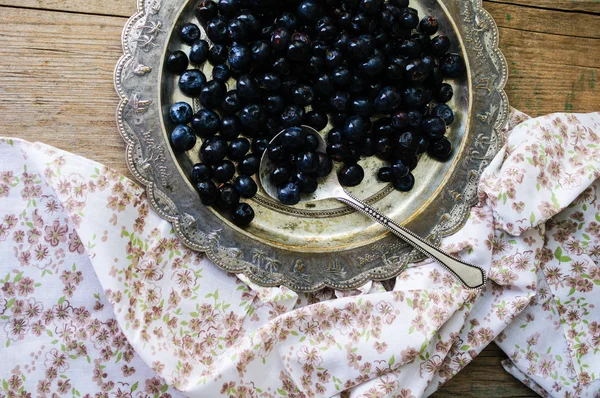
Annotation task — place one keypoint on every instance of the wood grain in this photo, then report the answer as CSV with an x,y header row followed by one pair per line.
x,y
56,87
591,6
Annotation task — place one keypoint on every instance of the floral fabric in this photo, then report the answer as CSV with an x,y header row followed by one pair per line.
x,y
99,297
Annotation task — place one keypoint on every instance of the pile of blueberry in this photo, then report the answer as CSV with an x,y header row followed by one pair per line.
x,y
371,68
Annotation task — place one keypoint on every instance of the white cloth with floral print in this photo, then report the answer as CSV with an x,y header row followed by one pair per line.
x,y
99,298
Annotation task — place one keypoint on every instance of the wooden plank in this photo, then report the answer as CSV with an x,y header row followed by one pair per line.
x,y
99,7
591,6
56,84
573,24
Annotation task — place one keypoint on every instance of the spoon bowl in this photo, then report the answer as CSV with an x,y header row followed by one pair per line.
x,y
329,187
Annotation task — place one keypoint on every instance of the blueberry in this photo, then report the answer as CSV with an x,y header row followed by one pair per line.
x,y
434,128
360,22
224,171
355,129
238,149
214,150
360,48
221,73
429,61
370,7
249,165
411,161
408,19
217,30
288,84
182,139
306,182
239,57
325,165
289,194
354,153
261,52
189,33
191,82
358,85
362,106
201,172
293,139
253,118
423,145
232,102
303,95
199,52
317,120
270,82
384,127
387,100
309,11
324,85
399,3
453,65
177,62
385,174
340,101
416,96
273,127
274,104
440,150
341,76
280,175
298,51
307,162
408,142
281,66
416,71
444,93
410,48
248,88
208,192
367,147
315,65
227,197
280,39
217,54
339,119
415,118
439,45
327,32
181,113
404,184
259,146
373,66
400,120
231,127
445,112
292,116
251,21
337,152
206,123
243,215
277,154
384,148
287,20
429,25
351,175
245,186
229,8
333,58
207,10
238,31
212,94
334,136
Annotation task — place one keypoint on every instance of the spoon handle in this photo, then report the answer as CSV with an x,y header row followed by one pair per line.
x,y
469,275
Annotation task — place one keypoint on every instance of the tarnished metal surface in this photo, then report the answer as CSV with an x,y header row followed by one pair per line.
x,y
314,244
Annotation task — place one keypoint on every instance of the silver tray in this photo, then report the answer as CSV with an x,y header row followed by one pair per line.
x,y
312,245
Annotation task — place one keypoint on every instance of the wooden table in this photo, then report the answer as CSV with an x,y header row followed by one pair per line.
x,y
56,86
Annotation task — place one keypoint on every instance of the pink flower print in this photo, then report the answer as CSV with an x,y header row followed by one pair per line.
x,y
547,209
554,275
16,329
6,177
584,285
387,311
380,347
555,168
409,354
533,339
3,232
75,244
55,233
4,190
19,236
309,355
33,235
574,246
38,328
41,252
32,308
438,316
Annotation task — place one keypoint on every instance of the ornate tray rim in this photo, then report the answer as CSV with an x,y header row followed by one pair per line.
x,y
229,258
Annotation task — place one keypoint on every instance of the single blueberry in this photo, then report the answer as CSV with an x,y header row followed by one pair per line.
x,y
182,139
181,113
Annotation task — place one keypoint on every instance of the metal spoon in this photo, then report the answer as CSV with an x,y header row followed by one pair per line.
x,y
469,275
